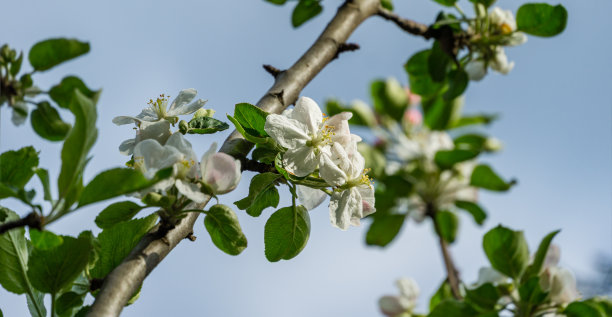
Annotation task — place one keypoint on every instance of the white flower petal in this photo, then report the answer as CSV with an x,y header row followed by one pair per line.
x,y
184,97
20,113
153,156
310,198
476,70
187,109
301,161
340,206
127,147
204,161
409,289
158,130
191,191
391,306
287,132
222,173
147,114
121,120
367,199
330,172
308,112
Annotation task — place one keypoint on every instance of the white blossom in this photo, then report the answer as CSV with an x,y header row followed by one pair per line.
x,y
220,171
393,306
158,130
353,196
158,109
20,113
476,69
423,145
306,134
504,22
150,157
499,62
558,281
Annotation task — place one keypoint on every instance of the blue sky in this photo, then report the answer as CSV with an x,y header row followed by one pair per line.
x,y
556,125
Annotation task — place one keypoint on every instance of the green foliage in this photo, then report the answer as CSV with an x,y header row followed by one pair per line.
x,y
62,92
535,267
67,302
118,181
389,98
439,114
483,176
252,119
262,194
387,4
52,270
222,224
443,293
447,225
304,11
286,233
506,250
584,309
486,3
453,308
419,76
474,209
384,229
438,62
49,53
249,137
541,19
13,257
279,2
116,213
48,124
81,138
531,293
483,297
205,125
458,81
473,120
361,115
45,240
446,159
18,167
117,241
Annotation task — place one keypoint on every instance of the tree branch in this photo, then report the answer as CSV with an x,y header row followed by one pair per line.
x,y
32,220
409,26
125,279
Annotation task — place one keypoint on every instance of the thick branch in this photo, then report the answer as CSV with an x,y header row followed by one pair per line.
x,y
125,279
32,220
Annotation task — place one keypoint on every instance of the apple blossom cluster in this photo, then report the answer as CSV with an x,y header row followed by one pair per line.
x,y
325,148
400,305
491,31
156,147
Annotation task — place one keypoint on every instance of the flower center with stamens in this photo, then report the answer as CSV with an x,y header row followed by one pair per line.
x,y
182,168
159,105
506,28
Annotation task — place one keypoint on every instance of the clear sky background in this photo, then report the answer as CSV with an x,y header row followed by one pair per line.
x,y
556,125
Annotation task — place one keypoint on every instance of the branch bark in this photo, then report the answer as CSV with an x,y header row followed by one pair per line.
x,y
32,220
410,26
126,278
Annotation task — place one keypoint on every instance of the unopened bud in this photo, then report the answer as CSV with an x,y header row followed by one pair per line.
x,y
204,113
493,145
153,199
395,93
183,127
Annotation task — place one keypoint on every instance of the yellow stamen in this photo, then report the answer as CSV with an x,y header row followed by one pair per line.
x,y
506,28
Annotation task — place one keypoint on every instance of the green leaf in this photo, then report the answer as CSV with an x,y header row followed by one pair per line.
x,y
18,167
62,92
49,53
484,296
439,113
262,194
116,213
584,309
249,137
206,125
507,250
222,224
443,293
264,155
389,97
387,4
458,81
531,293
447,225
252,119
453,308
278,2
362,113
448,3
118,181
117,242
486,3
541,19
420,79
36,304
45,240
540,255
54,269
286,233
68,301
16,65
446,159
472,120
474,209
484,177
474,142
13,257
384,229
43,175
438,61
304,11
81,138
48,124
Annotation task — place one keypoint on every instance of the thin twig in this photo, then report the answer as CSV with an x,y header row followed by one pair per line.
x,y
407,25
254,166
32,220
272,70
346,47
125,279
451,270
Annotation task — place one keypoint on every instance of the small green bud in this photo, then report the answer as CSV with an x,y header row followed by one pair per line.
x,y
204,113
5,52
183,126
396,93
493,144
152,199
